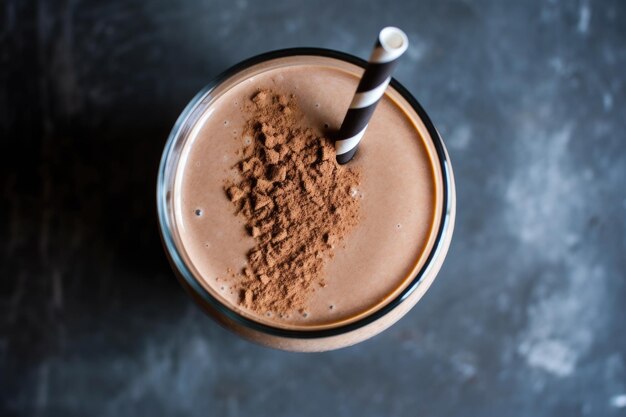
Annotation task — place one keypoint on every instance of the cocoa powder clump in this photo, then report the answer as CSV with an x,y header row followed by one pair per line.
x,y
297,202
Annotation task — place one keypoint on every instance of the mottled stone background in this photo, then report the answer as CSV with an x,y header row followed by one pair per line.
x,y
527,318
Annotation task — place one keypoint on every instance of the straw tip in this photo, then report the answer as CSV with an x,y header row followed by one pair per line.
x,y
393,39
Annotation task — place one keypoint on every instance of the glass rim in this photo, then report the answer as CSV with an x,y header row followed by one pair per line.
x,y
184,272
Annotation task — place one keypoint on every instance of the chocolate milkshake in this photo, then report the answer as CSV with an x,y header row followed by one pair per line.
x,y
397,192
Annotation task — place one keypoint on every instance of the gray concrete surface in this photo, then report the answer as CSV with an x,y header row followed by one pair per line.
x,y
526,318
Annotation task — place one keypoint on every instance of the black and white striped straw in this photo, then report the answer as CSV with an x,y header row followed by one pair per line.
x,y
391,44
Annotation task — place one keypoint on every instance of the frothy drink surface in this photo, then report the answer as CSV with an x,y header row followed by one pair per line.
x,y
400,201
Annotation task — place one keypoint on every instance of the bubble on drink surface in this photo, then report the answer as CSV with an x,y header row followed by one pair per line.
x,y
398,226
325,125
305,314
225,122
247,140
331,307
198,212
268,314
317,105
354,192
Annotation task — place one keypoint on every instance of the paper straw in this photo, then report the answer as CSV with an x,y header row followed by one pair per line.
x,y
390,45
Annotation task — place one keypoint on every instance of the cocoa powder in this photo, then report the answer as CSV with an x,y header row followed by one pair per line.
x,y
297,202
